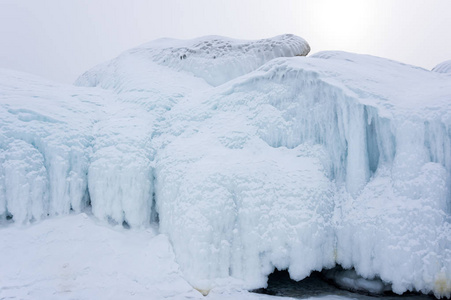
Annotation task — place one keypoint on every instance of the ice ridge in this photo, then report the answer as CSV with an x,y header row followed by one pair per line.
x,y
444,67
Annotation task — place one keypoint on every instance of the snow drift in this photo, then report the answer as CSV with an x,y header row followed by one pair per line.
x,y
248,161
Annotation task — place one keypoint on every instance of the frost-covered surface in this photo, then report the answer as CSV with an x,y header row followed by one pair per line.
x,y
302,164
444,67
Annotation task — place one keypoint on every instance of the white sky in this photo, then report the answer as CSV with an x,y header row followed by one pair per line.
x,y
60,39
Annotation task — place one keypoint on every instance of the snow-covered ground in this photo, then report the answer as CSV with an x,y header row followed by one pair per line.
x,y
75,257
227,159
79,257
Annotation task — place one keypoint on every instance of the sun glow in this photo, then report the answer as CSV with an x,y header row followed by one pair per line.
x,y
344,24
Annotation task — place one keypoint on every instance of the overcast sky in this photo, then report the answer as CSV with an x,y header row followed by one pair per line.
x,y
60,39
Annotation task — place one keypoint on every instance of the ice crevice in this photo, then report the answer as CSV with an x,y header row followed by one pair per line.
x,y
248,158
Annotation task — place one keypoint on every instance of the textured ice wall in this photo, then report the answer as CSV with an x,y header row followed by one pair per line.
x,y
120,172
244,209
64,148
444,67
44,147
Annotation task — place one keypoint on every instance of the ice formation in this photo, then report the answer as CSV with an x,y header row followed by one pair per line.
x,y
350,280
250,160
444,67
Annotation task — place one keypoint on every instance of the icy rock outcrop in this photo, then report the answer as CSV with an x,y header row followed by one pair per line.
x,y
444,67
216,59
301,164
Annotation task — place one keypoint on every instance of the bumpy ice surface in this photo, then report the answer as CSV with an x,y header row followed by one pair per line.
x,y
249,162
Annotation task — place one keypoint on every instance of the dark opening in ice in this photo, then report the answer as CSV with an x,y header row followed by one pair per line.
x,y
317,285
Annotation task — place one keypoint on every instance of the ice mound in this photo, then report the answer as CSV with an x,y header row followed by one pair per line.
x,y
444,67
302,163
216,59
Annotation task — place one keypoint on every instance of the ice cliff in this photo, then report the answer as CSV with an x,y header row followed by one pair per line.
x,y
249,157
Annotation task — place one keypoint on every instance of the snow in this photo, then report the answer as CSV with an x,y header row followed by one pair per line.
x,y
76,258
444,67
249,160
